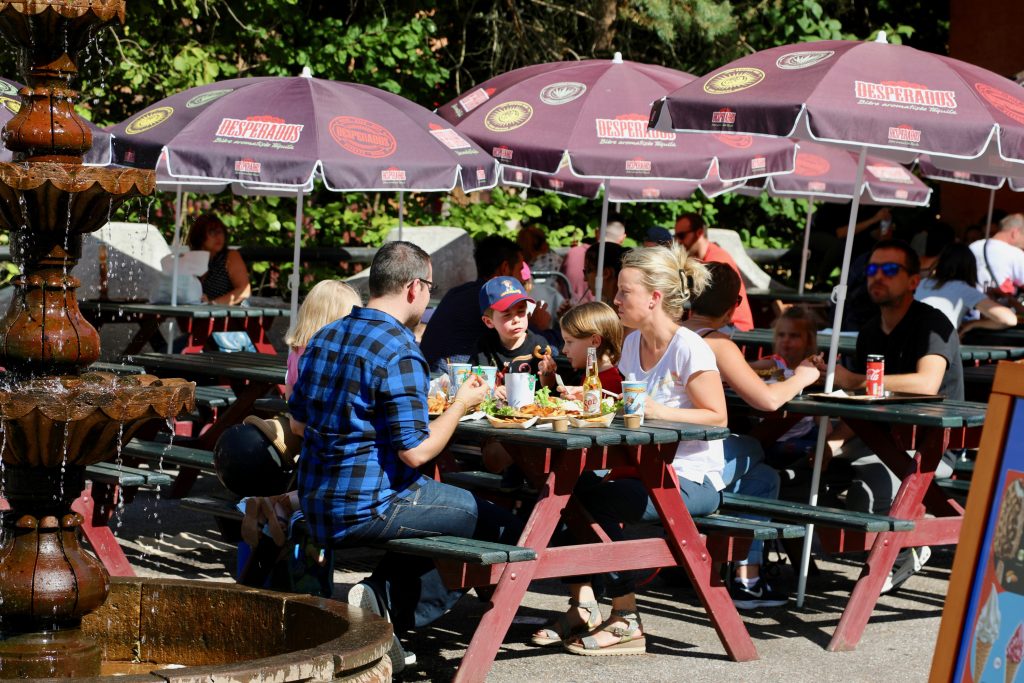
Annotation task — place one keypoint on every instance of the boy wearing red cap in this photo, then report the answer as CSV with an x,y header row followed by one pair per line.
x,y
509,344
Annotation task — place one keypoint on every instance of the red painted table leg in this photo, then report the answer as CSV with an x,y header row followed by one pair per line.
x,y
101,538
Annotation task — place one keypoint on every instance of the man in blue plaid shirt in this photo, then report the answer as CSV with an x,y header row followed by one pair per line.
x,y
360,401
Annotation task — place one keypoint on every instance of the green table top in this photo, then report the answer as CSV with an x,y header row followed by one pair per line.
x,y
848,344
948,414
794,297
257,366
197,311
653,432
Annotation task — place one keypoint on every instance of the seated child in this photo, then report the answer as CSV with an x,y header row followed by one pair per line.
x,y
509,344
593,324
794,339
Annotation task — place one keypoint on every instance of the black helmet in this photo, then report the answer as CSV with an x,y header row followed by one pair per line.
x,y
248,464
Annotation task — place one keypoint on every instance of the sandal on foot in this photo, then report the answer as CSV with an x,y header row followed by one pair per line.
x,y
631,638
559,630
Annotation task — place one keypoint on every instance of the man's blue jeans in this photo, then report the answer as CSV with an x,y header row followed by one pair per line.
x,y
411,587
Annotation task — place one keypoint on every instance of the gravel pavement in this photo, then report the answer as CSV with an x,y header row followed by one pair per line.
x,y
163,540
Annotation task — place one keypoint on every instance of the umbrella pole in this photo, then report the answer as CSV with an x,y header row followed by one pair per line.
x,y
599,276
839,297
295,257
991,208
401,212
179,218
806,253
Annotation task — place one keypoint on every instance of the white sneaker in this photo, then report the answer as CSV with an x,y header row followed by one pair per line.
x,y
363,596
910,565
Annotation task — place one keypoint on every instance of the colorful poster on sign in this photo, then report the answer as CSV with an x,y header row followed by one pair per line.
x,y
992,644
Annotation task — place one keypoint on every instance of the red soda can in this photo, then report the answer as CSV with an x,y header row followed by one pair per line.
x,y
875,380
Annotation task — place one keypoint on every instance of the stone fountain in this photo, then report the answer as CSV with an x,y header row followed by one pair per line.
x,y
55,617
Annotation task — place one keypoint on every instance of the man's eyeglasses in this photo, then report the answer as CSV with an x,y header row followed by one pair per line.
x,y
430,285
888,269
682,234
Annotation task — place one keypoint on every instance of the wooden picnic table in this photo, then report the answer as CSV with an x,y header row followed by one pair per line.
x,y
890,430
553,463
792,297
250,375
196,321
761,338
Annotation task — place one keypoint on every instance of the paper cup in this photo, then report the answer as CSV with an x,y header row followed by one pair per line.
x,y
632,421
560,424
458,373
634,395
489,373
519,389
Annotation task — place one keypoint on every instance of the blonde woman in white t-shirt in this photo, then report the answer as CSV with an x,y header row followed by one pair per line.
x,y
684,386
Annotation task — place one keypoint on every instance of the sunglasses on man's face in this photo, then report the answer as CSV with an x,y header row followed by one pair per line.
x,y
889,269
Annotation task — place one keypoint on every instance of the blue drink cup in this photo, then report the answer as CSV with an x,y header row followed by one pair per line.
x,y
458,372
634,396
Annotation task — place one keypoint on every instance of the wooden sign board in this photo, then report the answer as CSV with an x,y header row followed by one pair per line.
x,y
981,638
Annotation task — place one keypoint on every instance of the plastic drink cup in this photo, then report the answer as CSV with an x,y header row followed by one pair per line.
x,y
634,395
489,373
458,373
519,389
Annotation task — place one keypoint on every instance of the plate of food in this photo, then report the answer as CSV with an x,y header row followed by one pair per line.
x,y
512,421
437,404
602,419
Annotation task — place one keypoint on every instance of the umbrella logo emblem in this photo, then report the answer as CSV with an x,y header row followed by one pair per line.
x,y
361,137
892,174
248,166
148,120
802,60
904,95
392,174
735,141
502,153
11,105
904,134
8,88
452,140
207,97
561,93
474,100
508,116
733,80
810,165
1004,102
629,127
638,166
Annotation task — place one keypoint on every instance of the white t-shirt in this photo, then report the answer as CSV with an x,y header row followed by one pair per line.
x,y
955,298
666,383
1007,263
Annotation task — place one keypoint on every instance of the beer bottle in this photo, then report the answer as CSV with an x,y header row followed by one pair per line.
x,y
591,384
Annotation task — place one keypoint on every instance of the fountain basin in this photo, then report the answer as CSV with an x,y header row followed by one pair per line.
x,y
224,632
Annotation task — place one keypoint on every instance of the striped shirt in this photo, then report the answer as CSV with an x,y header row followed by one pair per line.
x,y
362,392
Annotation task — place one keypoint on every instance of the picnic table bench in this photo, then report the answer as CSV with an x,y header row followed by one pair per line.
x,y
197,321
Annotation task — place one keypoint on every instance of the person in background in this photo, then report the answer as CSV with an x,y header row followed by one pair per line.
x,y
455,326
610,272
657,236
548,298
938,236
572,266
922,356
327,301
952,287
360,403
226,280
1001,257
684,386
692,234
536,252
745,470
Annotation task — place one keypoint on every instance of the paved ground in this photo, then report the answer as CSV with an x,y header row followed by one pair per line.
x,y
163,540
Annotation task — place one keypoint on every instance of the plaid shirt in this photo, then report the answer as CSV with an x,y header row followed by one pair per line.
x,y
362,392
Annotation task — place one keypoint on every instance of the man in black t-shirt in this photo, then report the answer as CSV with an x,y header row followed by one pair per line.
x,y
922,356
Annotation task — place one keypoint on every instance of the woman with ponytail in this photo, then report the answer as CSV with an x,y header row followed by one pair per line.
x,y
683,385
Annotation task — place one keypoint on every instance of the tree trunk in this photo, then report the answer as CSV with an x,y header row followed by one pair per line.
x,y
605,14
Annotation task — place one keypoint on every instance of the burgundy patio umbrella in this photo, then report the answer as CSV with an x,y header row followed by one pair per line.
x,y
619,189
991,183
279,135
827,173
891,99
592,114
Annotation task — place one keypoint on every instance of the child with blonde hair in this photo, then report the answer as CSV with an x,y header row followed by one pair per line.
x,y
329,300
594,324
